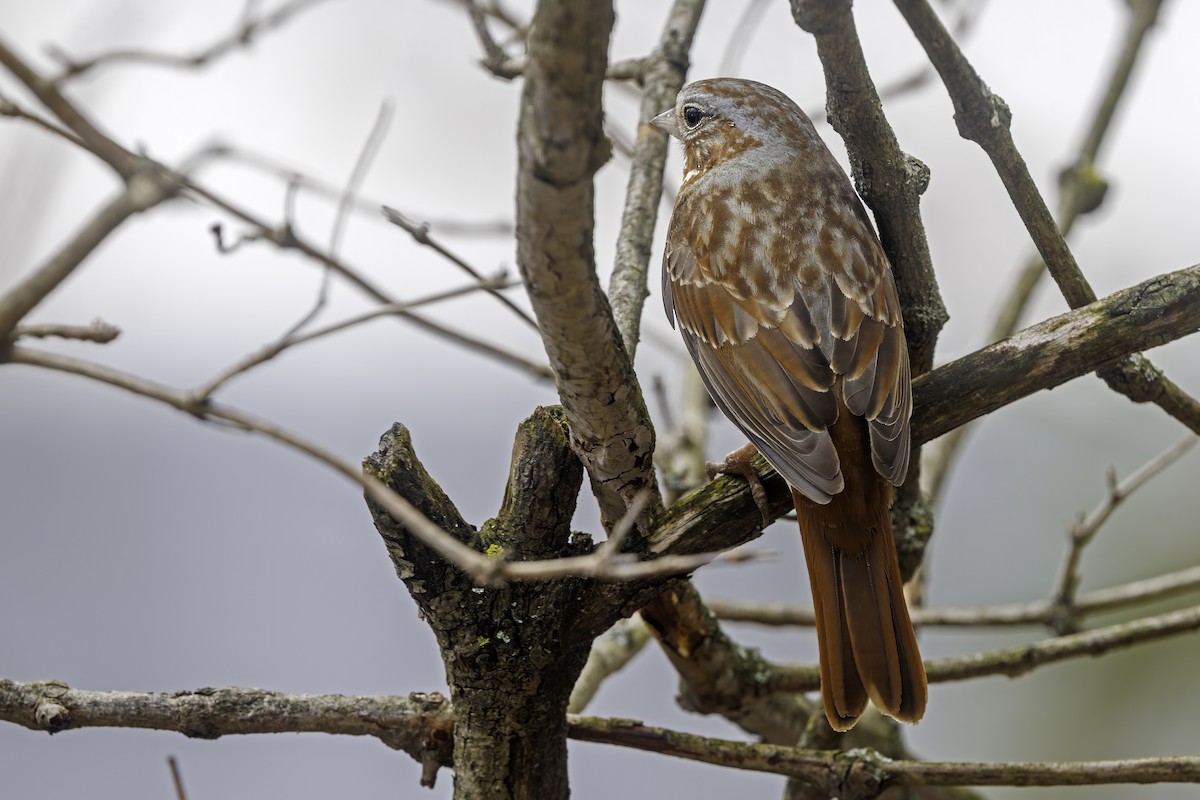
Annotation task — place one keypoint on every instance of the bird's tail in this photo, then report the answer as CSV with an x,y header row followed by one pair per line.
x,y
867,644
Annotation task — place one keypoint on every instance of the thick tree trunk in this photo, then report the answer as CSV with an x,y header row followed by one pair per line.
x,y
510,739
513,652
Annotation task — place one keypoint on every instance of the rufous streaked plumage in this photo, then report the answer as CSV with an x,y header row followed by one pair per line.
x,y
787,304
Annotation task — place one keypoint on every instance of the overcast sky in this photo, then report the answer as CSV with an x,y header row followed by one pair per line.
x,y
142,550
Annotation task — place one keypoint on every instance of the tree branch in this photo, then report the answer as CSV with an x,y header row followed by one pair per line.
x,y
1053,352
99,332
717,676
122,161
1016,661
158,177
615,648
983,117
243,35
662,78
272,350
415,724
1037,612
890,181
421,724
561,144
1065,618
143,192
865,774
675,559
1081,191
420,234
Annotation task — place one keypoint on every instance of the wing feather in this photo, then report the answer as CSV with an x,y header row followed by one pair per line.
x,y
765,360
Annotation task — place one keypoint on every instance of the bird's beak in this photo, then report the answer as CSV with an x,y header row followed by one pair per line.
x,y
666,122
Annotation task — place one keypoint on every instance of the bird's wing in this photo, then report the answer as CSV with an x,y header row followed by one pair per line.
x,y
869,351
766,364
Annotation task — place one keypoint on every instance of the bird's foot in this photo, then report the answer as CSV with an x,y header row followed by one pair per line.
x,y
738,463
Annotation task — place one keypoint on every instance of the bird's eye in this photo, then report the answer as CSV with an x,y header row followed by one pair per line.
x,y
692,116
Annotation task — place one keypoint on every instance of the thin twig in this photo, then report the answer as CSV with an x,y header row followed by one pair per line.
x,y
863,773
497,61
99,332
967,14
420,234
484,570
325,189
176,778
369,150
665,71
359,173
1016,661
143,192
610,548
10,109
248,28
206,390
159,178
121,160
1084,530
1038,612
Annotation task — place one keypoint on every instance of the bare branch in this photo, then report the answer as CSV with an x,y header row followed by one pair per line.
x,y
1081,191
1084,530
420,234
413,723
561,145
164,180
10,109
284,237
663,77
143,192
99,332
421,725
123,162
1037,612
243,35
717,676
741,36
864,774
364,205
610,653
1057,350
482,569
890,181
203,392
496,60
984,118
357,175
1016,661
176,778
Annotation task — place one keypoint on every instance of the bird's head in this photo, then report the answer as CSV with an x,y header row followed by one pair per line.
x,y
720,119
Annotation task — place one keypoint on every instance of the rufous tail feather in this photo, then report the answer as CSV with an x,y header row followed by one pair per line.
x,y
867,644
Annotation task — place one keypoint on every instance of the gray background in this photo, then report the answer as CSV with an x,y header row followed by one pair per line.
x,y
141,550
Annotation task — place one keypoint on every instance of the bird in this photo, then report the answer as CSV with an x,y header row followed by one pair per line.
x,y
786,302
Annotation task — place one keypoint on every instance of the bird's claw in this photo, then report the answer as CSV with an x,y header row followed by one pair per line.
x,y
738,463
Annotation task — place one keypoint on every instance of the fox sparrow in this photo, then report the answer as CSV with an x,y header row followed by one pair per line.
x,y
787,304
